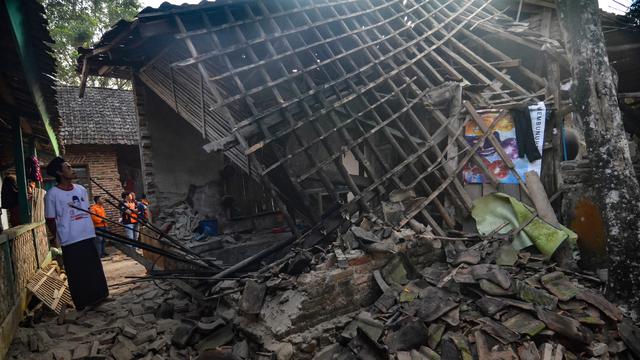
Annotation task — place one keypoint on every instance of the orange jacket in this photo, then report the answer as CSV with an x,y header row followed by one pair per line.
x,y
98,210
133,216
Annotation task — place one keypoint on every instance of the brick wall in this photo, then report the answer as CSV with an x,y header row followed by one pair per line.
x,y
334,291
102,163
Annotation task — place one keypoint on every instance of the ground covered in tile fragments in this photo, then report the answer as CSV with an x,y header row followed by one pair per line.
x,y
378,292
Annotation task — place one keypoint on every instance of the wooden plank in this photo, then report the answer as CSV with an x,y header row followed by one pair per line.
x,y
488,189
241,140
148,264
460,198
510,189
540,199
463,162
367,67
456,135
306,202
406,136
468,223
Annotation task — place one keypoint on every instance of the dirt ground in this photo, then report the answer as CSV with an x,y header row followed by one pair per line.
x,y
117,267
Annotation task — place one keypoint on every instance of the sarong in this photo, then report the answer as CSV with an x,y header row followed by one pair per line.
x,y
87,283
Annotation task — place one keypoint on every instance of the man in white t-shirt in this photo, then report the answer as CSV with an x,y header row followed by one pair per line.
x,y
66,207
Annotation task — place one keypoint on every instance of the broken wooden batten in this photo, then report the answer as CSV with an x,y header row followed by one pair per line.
x,y
288,89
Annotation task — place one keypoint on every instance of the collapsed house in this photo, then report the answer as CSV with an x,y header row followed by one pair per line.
x,y
368,125
331,105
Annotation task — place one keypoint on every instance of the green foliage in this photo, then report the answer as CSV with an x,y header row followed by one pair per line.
x,y
634,13
80,23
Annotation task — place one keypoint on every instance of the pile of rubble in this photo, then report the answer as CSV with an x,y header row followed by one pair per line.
x,y
486,301
180,221
137,324
378,291
433,297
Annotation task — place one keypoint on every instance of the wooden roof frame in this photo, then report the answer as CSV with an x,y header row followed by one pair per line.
x,y
313,80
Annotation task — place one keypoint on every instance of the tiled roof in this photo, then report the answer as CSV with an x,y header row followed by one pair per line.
x,y
102,116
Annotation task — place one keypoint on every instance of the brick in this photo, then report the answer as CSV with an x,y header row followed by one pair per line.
x,y
102,163
81,351
129,332
146,336
359,261
341,275
136,309
121,352
149,318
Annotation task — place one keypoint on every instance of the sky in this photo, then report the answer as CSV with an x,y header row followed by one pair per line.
x,y
614,6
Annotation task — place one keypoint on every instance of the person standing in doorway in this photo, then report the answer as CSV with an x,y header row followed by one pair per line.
x,y
75,234
145,205
98,216
129,210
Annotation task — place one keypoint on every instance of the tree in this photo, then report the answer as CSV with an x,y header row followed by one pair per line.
x,y
634,13
594,95
79,23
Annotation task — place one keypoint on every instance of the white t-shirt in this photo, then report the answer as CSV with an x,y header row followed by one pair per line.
x,y
72,225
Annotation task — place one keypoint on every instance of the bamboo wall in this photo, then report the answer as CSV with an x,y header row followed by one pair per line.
x,y
23,250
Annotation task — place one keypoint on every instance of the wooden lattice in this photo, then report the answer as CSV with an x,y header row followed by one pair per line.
x,y
51,288
298,85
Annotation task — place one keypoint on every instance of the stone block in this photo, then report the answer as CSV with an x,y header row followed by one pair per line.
x,y
182,336
145,336
129,332
121,352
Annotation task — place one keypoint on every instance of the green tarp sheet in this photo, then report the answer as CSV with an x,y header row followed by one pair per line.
x,y
493,210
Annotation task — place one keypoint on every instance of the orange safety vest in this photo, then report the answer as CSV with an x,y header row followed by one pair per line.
x,y
133,216
99,211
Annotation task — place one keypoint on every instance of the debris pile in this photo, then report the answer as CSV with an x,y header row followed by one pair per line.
x,y
384,292
145,322
379,291
485,301
180,220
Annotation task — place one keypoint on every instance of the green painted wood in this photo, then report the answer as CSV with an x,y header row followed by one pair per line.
x,y
20,29
21,175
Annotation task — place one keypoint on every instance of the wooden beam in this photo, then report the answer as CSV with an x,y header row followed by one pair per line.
x,y
422,204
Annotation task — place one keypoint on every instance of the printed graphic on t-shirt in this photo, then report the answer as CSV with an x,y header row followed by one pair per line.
x,y
76,214
66,207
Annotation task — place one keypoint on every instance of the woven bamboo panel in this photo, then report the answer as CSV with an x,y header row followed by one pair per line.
x,y
179,90
6,285
51,288
24,258
42,241
37,205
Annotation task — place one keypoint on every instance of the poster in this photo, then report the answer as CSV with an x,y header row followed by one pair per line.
x,y
505,133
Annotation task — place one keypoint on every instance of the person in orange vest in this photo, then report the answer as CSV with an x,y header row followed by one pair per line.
x,y
98,215
129,210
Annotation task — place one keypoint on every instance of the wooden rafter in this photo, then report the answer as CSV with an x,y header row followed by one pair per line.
x,y
309,81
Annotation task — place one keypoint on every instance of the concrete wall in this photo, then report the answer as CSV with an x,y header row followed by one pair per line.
x,y
180,168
